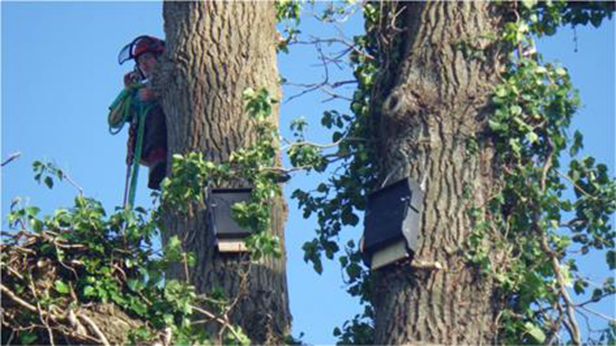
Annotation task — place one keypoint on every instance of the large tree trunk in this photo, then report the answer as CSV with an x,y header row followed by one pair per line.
x,y
429,106
216,50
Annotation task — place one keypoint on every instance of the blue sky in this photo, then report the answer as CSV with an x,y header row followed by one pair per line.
x,y
60,73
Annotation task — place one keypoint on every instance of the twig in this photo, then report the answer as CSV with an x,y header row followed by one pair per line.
x,y
242,289
11,157
95,328
573,326
185,260
42,317
224,323
575,185
78,333
334,96
72,319
571,323
8,342
349,45
57,245
16,298
73,183
607,318
547,165
556,326
117,267
15,272
23,249
580,305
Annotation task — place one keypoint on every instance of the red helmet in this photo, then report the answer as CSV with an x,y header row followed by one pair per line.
x,y
140,45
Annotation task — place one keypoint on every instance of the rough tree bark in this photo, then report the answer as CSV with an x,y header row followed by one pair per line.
x,y
216,50
431,100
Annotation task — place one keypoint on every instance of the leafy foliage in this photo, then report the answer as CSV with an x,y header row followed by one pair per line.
x,y
78,256
533,108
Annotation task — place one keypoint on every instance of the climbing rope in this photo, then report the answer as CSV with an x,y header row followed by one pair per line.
x,y
121,112
137,155
120,109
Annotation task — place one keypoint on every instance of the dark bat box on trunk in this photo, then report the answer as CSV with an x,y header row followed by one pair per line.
x,y
391,223
229,235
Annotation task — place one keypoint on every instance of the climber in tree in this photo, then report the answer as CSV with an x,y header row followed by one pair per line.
x,y
139,105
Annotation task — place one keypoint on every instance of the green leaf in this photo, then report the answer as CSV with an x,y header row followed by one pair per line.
x,y
532,137
515,110
579,286
336,136
191,259
501,91
596,294
139,307
32,211
348,218
88,291
133,284
577,143
529,3
49,182
61,287
515,145
37,225
560,72
27,338
249,93
495,125
344,260
535,332
610,257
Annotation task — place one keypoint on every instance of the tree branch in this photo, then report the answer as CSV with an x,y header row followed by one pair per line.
x,y
11,157
16,298
576,186
598,314
95,328
571,323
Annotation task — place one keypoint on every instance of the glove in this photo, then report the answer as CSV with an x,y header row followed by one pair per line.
x,y
130,78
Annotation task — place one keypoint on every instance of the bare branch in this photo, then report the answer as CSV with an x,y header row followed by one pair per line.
x,y
11,157
95,328
577,187
14,297
42,316
598,314
571,322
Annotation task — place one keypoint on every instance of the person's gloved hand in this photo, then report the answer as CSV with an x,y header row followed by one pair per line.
x,y
130,78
